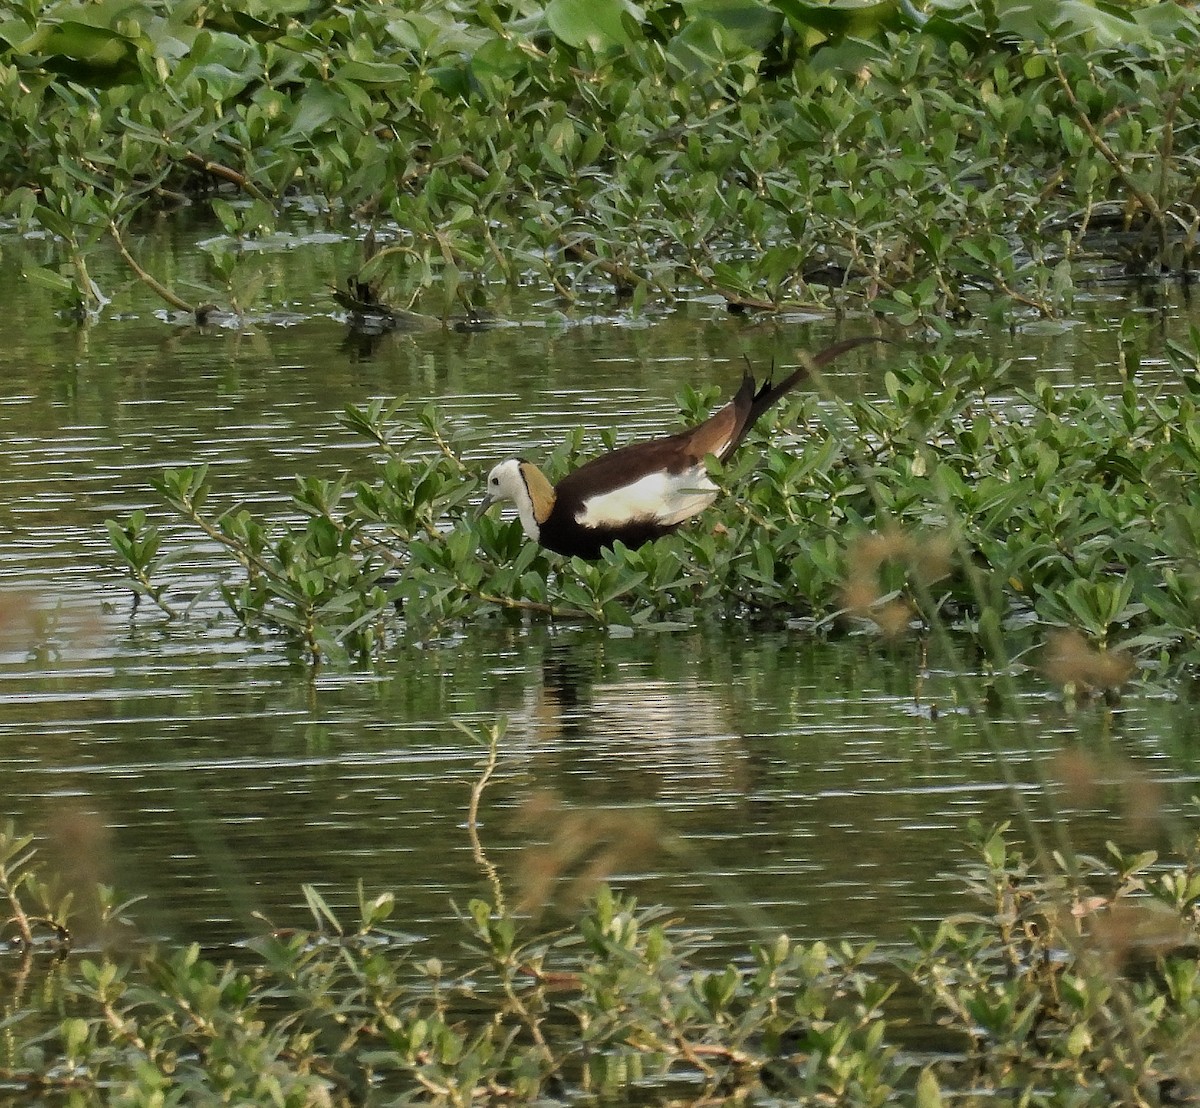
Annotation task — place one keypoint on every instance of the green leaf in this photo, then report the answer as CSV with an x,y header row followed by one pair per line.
x,y
86,54
750,23
375,73
319,106
49,279
841,17
929,1093
321,911
74,1032
596,24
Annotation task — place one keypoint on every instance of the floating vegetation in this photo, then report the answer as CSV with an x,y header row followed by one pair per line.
x,y
928,165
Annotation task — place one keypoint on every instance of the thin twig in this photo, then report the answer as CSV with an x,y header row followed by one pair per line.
x,y
216,169
1144,198
153,283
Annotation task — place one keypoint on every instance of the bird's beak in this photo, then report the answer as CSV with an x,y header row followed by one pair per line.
x,y
484,505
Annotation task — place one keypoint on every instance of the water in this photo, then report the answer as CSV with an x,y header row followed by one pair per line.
x,y
753,780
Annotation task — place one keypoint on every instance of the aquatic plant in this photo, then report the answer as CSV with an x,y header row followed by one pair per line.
x,y
965,159
1073,983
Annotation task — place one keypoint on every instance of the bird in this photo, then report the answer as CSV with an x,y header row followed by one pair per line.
x,y
642,491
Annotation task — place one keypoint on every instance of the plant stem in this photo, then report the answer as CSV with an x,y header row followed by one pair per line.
x,y
477,851
156,286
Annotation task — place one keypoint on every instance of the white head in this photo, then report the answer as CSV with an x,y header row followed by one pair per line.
x,y
524,484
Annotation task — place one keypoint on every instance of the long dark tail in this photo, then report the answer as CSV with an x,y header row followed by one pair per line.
x,y
769,393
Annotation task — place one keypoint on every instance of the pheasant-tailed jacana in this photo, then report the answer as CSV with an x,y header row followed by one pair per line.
x,y
644,490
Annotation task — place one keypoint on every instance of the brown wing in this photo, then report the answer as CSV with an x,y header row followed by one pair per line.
x,y
723,430
670,454
720,434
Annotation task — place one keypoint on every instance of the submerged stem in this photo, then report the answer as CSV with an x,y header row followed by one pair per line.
x,y
477,851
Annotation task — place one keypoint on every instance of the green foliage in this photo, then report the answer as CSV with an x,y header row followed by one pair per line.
x,y
771,152
45,921
1076,982
939,507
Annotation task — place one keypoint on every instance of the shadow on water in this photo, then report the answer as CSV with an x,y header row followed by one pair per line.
x,y
764,779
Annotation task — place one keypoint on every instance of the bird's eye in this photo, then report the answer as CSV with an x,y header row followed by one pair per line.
x,y
495,480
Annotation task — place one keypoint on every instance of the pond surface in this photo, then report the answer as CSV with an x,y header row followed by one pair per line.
x,y
753,780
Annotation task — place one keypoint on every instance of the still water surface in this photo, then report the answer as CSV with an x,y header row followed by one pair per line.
x,y
787,783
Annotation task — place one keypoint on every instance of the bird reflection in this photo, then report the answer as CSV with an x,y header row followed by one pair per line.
x,y
622,765
625,736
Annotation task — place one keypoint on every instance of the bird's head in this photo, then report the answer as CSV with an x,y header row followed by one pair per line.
x,y
505,482
524,485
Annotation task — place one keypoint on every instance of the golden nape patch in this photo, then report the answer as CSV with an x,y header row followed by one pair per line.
x,y
541,492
